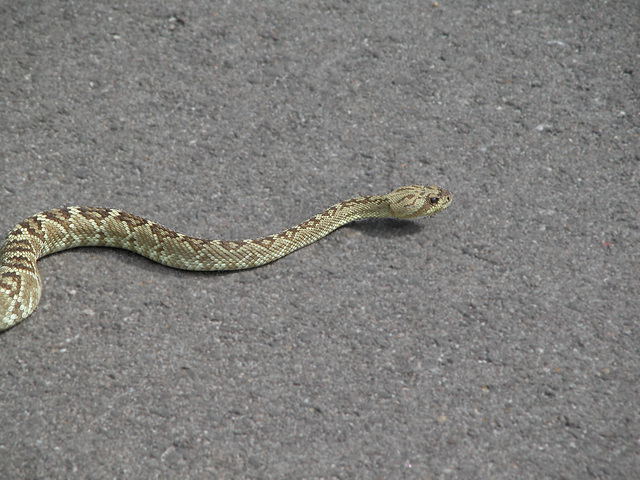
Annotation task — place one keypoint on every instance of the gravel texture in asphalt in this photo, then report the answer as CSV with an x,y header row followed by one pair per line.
x,y
499,339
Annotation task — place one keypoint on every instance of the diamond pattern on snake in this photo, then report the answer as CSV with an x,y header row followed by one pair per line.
x,y
69,227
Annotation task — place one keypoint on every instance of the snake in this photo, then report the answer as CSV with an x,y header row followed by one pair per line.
x,y
64,228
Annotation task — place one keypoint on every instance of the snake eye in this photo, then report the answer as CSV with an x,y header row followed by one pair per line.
x,y
434,200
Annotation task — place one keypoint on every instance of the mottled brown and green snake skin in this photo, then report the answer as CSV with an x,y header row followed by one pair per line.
x,y
63,228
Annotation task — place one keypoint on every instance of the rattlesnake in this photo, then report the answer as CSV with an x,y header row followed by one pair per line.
x,y
69,227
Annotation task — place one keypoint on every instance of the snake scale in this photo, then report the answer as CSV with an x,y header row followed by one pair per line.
x,y
69,227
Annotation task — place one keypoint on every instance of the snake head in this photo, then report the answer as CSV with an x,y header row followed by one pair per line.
x,y
417,201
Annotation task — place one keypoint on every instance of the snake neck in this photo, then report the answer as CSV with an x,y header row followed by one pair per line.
x,y
342,213
252,253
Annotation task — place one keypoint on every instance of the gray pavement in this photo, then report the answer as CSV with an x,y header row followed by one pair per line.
x,y
499,339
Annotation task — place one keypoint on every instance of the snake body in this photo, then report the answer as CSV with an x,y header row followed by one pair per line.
x,y
69,227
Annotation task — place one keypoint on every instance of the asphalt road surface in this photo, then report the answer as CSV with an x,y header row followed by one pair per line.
x,y
499,339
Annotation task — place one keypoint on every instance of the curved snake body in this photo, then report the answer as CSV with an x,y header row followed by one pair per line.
x,y
64,228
